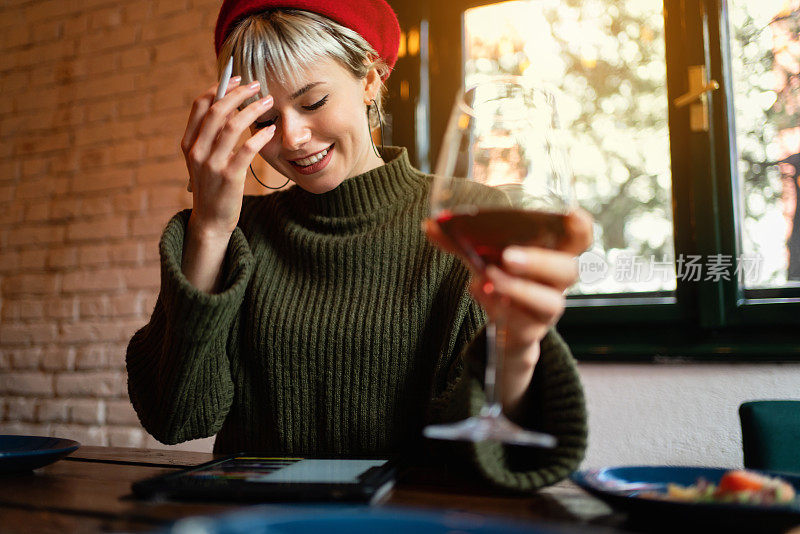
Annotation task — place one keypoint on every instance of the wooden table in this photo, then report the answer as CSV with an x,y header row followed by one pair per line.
x,y
89,491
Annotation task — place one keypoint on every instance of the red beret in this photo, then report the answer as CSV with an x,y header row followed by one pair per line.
x,y
374,20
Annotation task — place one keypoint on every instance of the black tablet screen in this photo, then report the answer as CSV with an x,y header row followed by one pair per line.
x,y
286,470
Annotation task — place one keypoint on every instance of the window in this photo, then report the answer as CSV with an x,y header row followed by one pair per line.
x,y
697,250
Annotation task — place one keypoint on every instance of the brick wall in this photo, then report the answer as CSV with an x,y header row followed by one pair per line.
x,y
94,98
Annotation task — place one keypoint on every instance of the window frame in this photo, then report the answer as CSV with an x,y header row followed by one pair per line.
x,y
709,321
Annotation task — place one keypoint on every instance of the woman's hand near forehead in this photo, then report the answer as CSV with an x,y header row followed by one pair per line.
x,y
217,171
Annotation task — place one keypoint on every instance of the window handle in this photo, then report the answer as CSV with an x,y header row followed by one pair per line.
x,y
696,99
691,96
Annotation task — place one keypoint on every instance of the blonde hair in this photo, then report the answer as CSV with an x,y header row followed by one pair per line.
x,y
279,44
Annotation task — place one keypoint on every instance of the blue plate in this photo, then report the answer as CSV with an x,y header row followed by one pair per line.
x,y
360,519
625,488
23,453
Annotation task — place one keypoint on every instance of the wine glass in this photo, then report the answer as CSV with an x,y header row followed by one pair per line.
x,y
502,178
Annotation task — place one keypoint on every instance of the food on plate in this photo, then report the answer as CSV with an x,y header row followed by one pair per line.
x,y
737,486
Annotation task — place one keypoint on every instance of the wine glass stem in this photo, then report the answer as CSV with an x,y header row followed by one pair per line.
x,y
493,406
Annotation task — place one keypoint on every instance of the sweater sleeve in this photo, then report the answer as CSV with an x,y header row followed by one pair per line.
x,y
179,378
554,403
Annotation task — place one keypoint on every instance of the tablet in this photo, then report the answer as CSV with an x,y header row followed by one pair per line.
x,y
259,478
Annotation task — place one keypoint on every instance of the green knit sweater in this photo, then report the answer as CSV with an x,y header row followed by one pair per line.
x,y
340,330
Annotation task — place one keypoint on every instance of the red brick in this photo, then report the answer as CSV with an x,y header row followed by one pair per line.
x,y
164,146
166,7
9,261
41,188
125,305
113,85
105,254
42,143
98,229
96,206
62,257
121,412
16,310
51,9
38,211
62,308
91,384
56,50
28,384
98,331
101,111
134,201
143,278
7,193
30,235
181,23
93,281
65,164
91,357
23,334
126,152
87,411
102,180
105,18
138,11
171,123
76,26
167,172
15,36
33,260
137,105
21,409
53,411
47,31
58,359
151,226
67,115
33,284
108,39
65,208
135,58
27,358
9,171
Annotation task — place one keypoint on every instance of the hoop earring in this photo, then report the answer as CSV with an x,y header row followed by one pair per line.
x,y
369,126
263,184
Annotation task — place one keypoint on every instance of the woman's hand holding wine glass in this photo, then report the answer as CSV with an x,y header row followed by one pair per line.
x,y
527,292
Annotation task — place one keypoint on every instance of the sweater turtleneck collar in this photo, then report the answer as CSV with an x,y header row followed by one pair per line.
x,y
367,192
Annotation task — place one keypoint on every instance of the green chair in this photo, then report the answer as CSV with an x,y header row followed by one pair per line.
x,y
771,435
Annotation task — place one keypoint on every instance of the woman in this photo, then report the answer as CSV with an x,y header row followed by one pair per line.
x,y
320,320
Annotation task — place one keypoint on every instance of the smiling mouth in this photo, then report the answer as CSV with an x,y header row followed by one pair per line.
x,y
311,160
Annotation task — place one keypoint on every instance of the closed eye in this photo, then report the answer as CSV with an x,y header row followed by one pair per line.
x,y
317,105
312,107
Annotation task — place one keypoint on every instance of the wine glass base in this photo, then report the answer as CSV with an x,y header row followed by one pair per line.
x,y
489,428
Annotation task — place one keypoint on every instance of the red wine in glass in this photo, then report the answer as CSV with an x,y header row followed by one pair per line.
x,y
483,233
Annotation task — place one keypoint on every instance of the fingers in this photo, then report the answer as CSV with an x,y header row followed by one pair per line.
x,y
554,268
234,128
543,303
199,109
578,234
244,156
216,117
